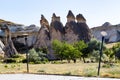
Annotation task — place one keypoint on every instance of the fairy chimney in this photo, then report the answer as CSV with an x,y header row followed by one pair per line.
x,y
55,18
80,18
56,28
43,37
44,22
70,16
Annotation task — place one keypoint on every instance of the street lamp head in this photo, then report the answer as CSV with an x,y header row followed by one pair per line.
x,y
103,33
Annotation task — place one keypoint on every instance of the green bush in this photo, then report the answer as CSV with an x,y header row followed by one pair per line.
x,y
90,72
108,65
13,66
67,73
114,71
10,60
24,61
16,56
6,66
1,57
37,57
41,71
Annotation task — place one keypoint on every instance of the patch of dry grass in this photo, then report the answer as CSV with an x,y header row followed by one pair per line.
x,y
80,69
110,45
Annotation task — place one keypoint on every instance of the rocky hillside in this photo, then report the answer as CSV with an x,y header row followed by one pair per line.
x,y
13,36
113,32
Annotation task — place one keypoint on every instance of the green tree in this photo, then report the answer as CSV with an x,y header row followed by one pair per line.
x,y
116,51
95,45
82,47
70,52
58,48
109,53
64,50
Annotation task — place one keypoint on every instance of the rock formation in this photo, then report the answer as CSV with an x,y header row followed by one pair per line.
x,y
1,47
83,29
70,16
56,29
76,31
43,37
9,49
16,34
112,32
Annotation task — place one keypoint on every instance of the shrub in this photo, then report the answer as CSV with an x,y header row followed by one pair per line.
x,y
33,56
42,71
12,66
10,60
16,56
114,71
1,57
6,66
106,66
89,72
67,73
24,60
37,57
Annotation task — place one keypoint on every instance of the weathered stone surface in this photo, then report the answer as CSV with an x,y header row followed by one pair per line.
x,y
71,32
43,37
1,47
80,18
106,24
56,29
75,31
112,32
9,49
84,32
70,16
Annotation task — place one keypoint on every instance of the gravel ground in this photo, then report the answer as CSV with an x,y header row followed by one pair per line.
x,y
46,77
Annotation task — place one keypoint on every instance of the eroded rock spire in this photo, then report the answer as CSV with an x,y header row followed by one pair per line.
x,y
80,18
70,16
44,22
55,18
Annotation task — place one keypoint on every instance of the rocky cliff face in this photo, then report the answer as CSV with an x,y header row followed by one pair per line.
x,y
113,32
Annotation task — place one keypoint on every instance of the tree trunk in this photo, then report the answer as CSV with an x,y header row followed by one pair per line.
x,y
68,60
74,60
84,60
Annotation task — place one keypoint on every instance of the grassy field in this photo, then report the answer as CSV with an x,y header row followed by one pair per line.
x,y
79,69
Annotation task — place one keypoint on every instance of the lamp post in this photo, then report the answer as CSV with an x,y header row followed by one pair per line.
x,y
27,57
103,33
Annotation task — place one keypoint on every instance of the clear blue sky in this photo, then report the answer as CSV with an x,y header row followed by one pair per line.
x,y
29,11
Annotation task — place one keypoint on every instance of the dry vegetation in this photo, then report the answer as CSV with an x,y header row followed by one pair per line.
x,y
110,45
79,69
